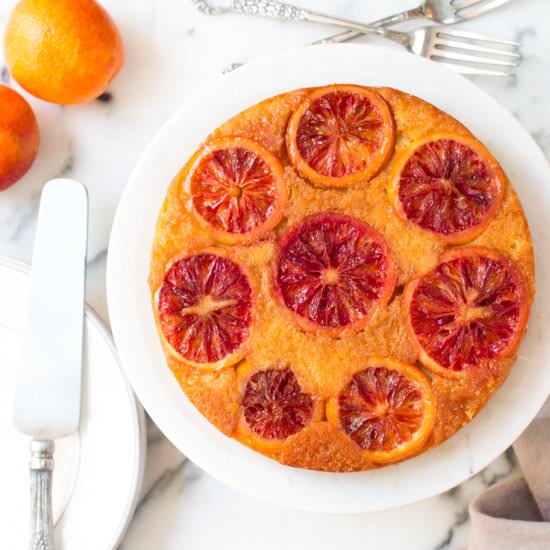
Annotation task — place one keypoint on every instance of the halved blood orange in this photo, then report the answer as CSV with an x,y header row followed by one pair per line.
x,y
449,185
387,409
204,310
341,135
237,189
273,405
471,309
334,272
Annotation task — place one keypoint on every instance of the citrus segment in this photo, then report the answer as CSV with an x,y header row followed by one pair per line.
x,y
472,308
205,310
341,135
387,409
449,185
237,189
274,405
334,272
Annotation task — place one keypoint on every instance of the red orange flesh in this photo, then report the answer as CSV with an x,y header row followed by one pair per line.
x,y
237,190
205,310
334,272
387,409
471,309
341,136
449,185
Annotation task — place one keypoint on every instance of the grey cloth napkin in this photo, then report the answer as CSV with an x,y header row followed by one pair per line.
x,y
515,513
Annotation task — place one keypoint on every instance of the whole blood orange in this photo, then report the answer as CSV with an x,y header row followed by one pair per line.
x,y
341,135
205,310
237,189
63,51
334,272
447,184
19,137
387,409
472,308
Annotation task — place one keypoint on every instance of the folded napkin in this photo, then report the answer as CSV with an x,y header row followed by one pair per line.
x,y
515,513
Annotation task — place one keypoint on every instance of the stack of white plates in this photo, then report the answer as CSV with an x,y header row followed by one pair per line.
x,y
98,470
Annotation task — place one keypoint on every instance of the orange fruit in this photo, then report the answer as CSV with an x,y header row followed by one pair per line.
x,y
204,308
341,135
470,310
19,137
63,51
238,190
449,185
387,409
334,272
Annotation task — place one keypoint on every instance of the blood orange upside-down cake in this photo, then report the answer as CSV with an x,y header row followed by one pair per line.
x,y
341,277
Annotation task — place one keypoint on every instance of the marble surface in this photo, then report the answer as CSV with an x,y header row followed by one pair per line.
x,y
172,52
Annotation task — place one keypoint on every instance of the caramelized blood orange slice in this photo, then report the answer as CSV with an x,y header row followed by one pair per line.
x,y
341,135
387,409
205,310
471,309
334,272
449,185
274,405
237,189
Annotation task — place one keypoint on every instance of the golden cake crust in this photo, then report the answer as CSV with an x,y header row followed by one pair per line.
x,y
321,363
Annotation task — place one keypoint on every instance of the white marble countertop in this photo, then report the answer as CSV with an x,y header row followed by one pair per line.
x,y
172,52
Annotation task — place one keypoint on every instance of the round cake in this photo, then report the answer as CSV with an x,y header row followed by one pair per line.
x,y
341,277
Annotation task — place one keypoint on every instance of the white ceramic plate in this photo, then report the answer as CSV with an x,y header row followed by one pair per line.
x,y
500,422
98,471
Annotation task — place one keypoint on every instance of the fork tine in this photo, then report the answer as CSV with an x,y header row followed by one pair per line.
x,y
460,5
469,70
455,33
475,48
474,8
456,56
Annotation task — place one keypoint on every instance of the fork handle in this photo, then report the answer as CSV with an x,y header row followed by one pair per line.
x,y
401,17
270,8
287,12
41,469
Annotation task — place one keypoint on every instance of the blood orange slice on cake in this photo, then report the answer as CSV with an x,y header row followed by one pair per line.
x,y
204,308
449,185
387,409
237,189
341,135
274,406
471,309
334,272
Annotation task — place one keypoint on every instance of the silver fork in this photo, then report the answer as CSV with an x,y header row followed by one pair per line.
x,y
465,52
447,12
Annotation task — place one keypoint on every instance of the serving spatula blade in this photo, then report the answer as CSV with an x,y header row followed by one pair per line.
x,y
48,392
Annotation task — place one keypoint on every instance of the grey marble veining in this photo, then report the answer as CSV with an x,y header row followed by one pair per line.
x,y
172,52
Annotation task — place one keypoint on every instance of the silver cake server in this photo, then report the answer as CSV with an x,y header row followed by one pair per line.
x,y
47,400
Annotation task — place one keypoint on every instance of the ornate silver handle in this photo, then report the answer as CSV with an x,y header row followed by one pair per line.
x,y
401,17
41,467
279,10
269,8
